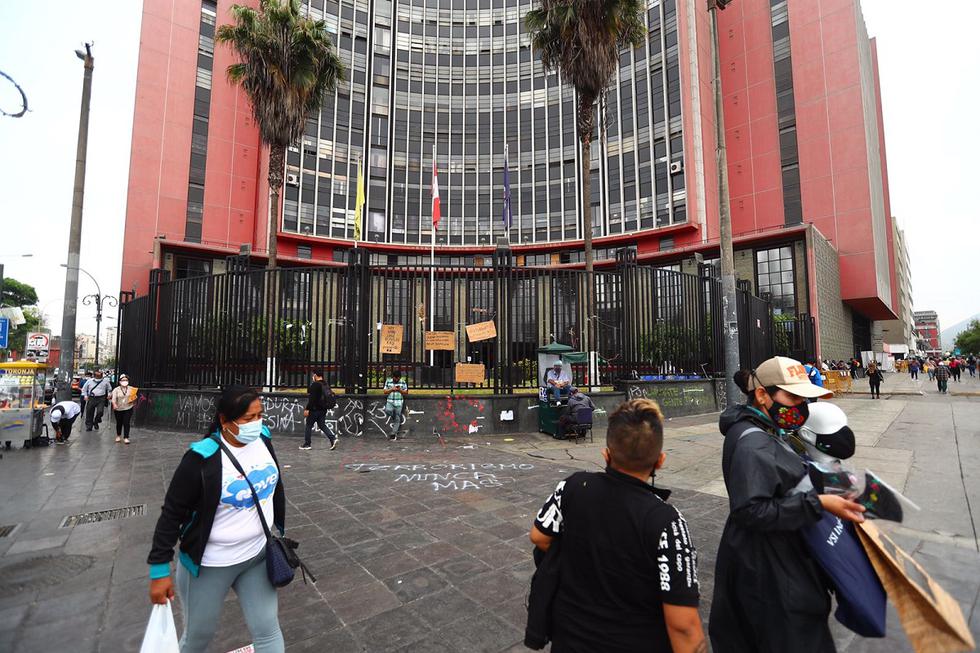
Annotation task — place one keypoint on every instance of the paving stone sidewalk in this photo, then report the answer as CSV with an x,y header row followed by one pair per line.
x,y
406,561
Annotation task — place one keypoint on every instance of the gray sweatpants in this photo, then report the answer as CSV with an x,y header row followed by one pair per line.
x,y
203,596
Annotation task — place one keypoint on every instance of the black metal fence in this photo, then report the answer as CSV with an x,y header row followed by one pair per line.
x,y
272,328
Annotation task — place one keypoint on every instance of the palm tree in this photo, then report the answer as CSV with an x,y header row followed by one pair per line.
x,y
287,64
581,39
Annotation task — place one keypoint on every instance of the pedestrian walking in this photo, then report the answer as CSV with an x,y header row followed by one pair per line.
x,y
770,597
914,369
942,376
971,364
62,416
122,398
95,392
931,369
628,565
395,390
875,378
210,510
854,368
954,369
81,386
320,399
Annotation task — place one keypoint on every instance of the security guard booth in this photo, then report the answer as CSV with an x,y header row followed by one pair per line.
x,y
548,413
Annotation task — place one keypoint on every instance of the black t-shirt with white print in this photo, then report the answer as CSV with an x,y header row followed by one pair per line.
x,y
625,552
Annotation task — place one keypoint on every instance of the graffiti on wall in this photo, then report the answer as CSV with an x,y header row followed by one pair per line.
x,y
670,396
460,414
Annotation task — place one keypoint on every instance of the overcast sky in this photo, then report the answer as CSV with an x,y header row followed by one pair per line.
x,y
930,88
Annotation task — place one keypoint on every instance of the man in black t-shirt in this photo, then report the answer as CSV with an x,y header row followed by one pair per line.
x,y
320,400
627,565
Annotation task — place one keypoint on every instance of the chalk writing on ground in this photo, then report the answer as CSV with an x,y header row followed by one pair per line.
x,y
448,476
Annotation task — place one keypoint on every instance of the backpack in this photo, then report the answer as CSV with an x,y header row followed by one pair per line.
x,y
329,398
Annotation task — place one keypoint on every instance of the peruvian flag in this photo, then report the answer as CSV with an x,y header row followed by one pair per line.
x,y
435,192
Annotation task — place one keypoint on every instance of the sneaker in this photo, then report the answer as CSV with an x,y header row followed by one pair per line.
x,y
305,447
126,441
119,439
333,445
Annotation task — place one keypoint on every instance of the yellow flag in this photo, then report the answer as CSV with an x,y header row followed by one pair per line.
x,y
359,205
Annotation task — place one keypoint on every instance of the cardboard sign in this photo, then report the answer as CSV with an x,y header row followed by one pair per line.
x,y
440,340
391,338
481,331
470,373
932,619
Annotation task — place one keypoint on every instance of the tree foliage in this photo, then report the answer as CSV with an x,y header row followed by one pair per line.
x,y
288,62
968,341
17,293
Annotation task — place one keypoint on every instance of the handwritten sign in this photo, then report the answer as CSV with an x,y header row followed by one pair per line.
x,y
470,373
440,340
481,331
391,338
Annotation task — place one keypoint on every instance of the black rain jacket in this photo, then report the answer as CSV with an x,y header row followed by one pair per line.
x,y
770,596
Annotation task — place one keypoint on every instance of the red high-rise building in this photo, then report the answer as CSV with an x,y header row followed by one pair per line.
x,y
806,151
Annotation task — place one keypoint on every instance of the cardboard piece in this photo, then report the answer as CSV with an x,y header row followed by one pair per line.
x,y
481,331
440,340
932,619
391,338
470,373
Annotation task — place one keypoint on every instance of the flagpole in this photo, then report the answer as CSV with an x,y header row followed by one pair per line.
x,y
432,264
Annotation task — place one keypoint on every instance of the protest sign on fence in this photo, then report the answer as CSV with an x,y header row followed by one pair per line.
x,y
470,373
481,331
440,340
391,338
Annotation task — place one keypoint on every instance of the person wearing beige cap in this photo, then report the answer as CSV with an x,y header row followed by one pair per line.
x,y
769,595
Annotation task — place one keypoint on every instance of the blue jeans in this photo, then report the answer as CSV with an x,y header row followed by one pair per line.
x,y
395,413
202,597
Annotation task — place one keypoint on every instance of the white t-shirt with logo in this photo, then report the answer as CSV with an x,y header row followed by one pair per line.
x,y
237,534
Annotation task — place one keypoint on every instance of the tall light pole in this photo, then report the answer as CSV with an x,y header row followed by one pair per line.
x,y
100,301
729,304
75,232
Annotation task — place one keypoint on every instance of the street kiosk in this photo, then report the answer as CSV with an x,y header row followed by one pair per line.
x,y
549,412
22,403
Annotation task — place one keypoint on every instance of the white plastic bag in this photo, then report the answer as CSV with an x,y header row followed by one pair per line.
x,y
161,633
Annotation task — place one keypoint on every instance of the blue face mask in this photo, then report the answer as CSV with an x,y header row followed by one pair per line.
x,y
249,431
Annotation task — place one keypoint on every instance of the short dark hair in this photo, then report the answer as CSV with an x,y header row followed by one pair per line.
x,y
396,372
635,435
318,374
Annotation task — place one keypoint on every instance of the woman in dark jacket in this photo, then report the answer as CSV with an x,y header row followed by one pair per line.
x,y
769,595
875,377
210,508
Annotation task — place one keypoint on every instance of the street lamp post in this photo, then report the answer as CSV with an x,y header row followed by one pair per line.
x,y
99,300
727,255
75,231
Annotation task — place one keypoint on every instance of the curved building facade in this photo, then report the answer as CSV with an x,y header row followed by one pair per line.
x,y
460,76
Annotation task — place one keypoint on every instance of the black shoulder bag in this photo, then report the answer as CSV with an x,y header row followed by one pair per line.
x,y
281,560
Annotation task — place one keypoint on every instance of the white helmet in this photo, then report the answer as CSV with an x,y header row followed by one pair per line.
x,y
826,430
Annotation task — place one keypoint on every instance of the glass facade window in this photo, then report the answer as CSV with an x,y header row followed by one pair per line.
x,y
459,76
786,110
776,275
194,218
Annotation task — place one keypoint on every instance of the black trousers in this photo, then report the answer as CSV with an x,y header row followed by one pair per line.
x,y
875,388
914,373
94,410
64,426
123,418
318,417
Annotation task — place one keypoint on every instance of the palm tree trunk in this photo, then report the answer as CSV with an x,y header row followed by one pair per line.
x,y
585,123
277,162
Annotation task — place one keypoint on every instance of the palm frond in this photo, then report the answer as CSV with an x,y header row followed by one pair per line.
x,y
287,62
